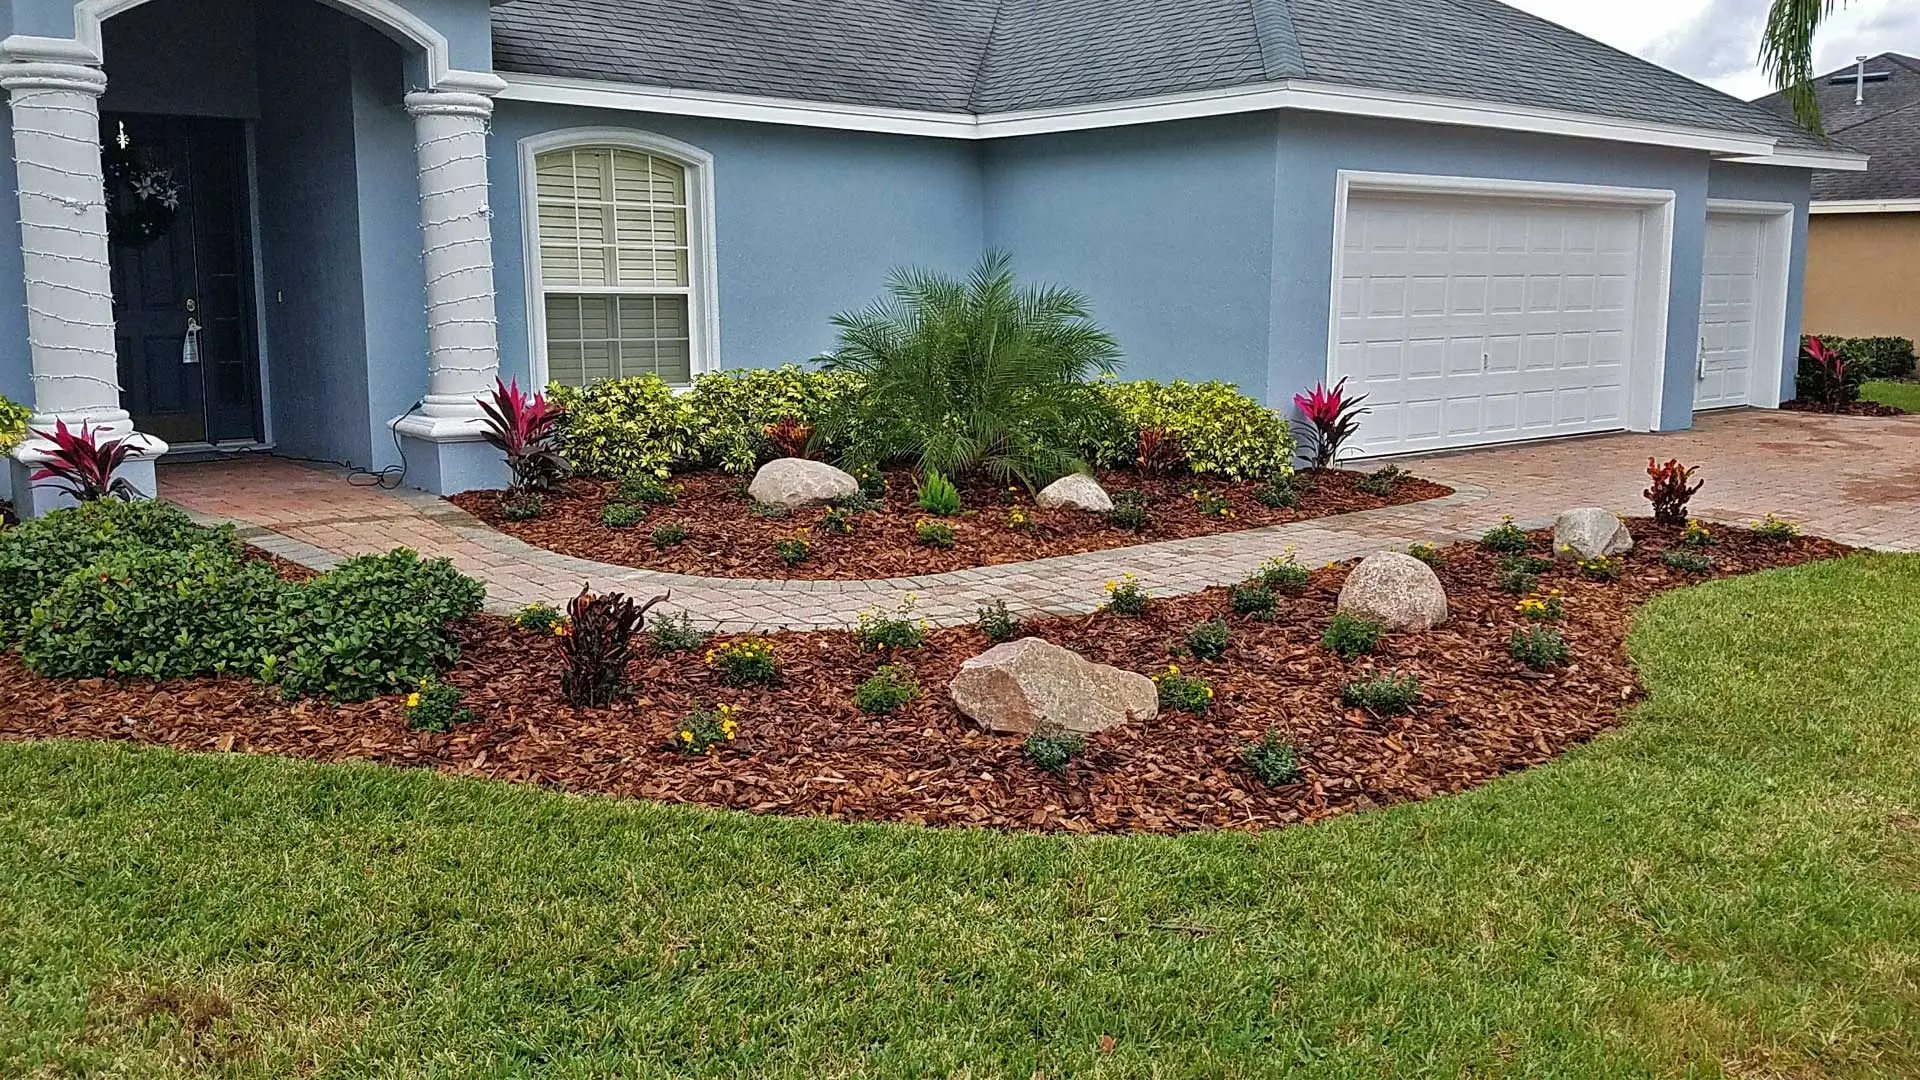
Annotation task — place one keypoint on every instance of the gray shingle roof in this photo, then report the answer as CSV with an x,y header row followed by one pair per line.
x,y
1885,126
1005,55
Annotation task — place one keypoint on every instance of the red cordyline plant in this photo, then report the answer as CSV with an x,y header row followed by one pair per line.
x,y
1332,419
1160,451
83,465
1669,492
1832,369
523,428
789,437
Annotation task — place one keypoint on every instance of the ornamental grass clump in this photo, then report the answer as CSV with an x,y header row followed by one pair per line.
x,y
1126,596
888,688
1207,640
704,729
539,617
1386,693
1506,536
1183,693
1538,647
998,623
597,645
745,661
1271,760
881,633
1669,492
1053,751
1351,637
434,706
675,633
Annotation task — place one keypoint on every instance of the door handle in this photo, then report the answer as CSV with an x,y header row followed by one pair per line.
x,y
1700,361
190,344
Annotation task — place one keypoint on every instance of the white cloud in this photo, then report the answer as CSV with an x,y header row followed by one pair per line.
x,y
1716,41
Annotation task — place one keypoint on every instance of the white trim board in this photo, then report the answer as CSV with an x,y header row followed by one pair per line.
x,y
1647,375
703,304
1284,94
1864,206
1765,373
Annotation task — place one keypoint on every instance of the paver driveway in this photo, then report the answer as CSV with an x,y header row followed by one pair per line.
x,y
1853,479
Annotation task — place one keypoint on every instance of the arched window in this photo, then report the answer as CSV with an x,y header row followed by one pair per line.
x,y
622,259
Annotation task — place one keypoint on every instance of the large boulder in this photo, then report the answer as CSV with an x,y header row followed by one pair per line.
x,y
796,482
1588,532
1075,491
1395,590
1022,686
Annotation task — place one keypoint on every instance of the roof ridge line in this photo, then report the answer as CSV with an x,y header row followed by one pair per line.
x,y
986,53
1280,53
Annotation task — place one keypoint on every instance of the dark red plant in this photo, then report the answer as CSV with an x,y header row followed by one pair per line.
x,y
1332,418
789,437
1830,370
597,642
1669,492
83,465
1160,452
523,428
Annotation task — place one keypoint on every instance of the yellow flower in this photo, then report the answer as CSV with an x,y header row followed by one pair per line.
x,y
686,736
559,629
1110,586
1209,691
413,700
1173,669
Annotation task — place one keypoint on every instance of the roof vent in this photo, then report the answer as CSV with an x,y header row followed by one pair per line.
x,y
1860,78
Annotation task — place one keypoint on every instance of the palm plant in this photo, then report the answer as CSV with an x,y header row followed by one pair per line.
x,y
970,375
1786,54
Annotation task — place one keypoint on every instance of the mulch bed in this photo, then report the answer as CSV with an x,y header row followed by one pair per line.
x,y
1851,408
728,539
804,749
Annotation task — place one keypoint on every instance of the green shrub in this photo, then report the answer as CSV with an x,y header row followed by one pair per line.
x,y
539,618
619,515
1379,483
1506,536
1207,640
731,411
37,555
1283,575
13,424
1538,647
745,661
793,550
838,520
998,623
521,504
153,613
373,625
674,633
647,489
1271,760
1692,562
1277,493
703,729
435,706
1126,596
1222,431
1351,637
1252,598
937,495
1428,554
878,632
1129,511
1775,528
1183,693
1053,751
886,689
1387,693
668,533
1602,568
1867,358
934,534
1517,581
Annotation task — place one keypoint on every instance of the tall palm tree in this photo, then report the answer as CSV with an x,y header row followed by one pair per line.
x,y
1786,54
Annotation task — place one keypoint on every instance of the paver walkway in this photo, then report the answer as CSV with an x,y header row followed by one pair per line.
x,y
1853,479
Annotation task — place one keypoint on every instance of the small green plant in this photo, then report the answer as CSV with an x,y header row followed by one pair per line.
x,y
1211,503
1775,528
647,490
668,533
1379,483
539,618
793,550
1350,636
838,520
998,623
1129,511
675,633
1126,596
1282,575
1696,534
887,689
703,729
1019,520
619,515
1601,568
1184,693
1277,493
1207,640
1428,554
1691,562
1541,607
861,501
435,706
1053,751
1506,536
937,495
1252,598
887,633
1538,647
934,534
768,510
1526,564
1518,581
521,505
1271,760
1387,693
745,661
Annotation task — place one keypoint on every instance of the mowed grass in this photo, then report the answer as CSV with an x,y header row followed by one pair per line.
x,y
1900,395
1730,886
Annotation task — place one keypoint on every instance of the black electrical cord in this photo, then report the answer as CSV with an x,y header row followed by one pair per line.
x,y
385,479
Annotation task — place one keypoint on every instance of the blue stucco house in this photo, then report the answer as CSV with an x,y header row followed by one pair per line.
x,y
324,226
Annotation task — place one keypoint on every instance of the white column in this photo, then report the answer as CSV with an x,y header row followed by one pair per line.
x,y
456,236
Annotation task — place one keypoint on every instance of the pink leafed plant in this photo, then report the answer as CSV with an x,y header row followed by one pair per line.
x,y
1332,418
1832,367
522,427
84,466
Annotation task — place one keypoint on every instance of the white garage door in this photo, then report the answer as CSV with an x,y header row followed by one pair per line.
x,y
1729,310
1477,320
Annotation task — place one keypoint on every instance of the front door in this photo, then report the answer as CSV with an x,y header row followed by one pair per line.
x,y
1729,310
179,241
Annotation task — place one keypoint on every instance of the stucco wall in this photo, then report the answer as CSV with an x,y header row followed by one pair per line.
x,y
187,58
1759,183
1863,275
808,222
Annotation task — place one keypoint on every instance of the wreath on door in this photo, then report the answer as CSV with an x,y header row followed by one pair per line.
x,y
142,200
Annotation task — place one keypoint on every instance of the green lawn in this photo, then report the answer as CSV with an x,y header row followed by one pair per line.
x,y
1730,886
1900,395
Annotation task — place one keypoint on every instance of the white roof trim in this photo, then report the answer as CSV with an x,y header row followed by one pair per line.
x,y
1864,206
1286,94
1831,160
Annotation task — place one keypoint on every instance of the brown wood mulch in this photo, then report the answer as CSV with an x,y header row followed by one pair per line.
x,y
805,750
728,539
1851,408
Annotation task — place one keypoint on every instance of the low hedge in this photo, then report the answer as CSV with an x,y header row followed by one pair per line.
x,y
37,556
1221,431
1867,357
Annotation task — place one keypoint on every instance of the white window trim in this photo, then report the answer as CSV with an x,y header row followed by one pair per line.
x,y
1647,372
703,302
1765,374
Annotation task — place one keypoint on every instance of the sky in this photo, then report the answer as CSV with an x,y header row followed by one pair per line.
x,y
1716,41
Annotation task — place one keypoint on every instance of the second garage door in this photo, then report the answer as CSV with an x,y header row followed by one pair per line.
x,y
1477,320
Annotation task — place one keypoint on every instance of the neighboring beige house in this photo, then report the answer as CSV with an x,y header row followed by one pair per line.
x,y
1863,235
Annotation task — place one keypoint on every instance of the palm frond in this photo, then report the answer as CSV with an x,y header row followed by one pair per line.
x,y
1786,54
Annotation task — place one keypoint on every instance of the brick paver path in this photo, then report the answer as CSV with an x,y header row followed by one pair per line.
x,y
1853,479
